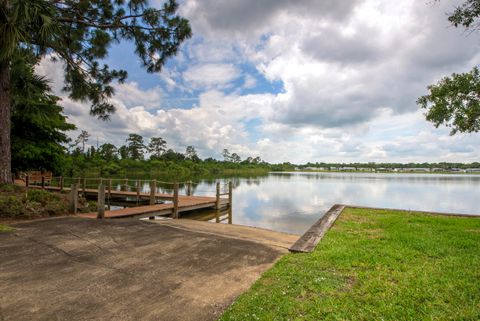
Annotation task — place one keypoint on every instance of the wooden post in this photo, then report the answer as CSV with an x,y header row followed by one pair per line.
x,y
27,180
109,193
84,187
230,199
61,183
101,201
217,204
73,199
217,196
153,190
125,187
43,182
138,191
189,188
230,193
175,200
78,181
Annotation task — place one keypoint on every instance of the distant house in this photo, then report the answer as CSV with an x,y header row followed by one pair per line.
x,y
365,169
347,168
417,169
383,169
472,170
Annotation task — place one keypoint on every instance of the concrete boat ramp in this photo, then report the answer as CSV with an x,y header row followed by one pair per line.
x,y
74,268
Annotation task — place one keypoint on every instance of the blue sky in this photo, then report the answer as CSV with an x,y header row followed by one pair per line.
x,y
294,81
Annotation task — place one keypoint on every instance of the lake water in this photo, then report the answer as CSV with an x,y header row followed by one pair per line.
x,y
291,202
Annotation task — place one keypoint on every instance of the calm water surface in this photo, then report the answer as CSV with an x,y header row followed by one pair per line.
x,y
291,202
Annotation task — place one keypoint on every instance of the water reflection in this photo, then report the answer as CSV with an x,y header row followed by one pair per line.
x,y
222,216
291,202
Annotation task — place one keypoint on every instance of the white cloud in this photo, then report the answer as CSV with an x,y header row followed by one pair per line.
x,y
211,75
249,81
351,72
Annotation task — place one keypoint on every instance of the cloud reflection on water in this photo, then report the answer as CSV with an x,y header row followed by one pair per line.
x,y
291,202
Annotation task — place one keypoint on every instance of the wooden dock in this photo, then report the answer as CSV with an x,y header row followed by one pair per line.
x,y
185,204
171,204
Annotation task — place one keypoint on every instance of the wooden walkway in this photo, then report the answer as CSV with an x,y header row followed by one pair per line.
x,y
185,203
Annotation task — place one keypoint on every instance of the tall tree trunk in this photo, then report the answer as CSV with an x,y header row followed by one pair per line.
x,y
5,148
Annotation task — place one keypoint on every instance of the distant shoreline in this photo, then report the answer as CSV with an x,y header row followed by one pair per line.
x,y
378,172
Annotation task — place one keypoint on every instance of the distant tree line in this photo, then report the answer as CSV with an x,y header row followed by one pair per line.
x,y
140,157
378,166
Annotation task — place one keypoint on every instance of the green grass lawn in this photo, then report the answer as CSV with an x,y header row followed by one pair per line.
x,y
375,265
5,228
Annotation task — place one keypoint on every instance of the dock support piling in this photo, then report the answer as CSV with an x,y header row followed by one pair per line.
x,y
138,191
189,188
73,199
109,193
126,185
217,203
27,181
230,199
153,190
217,196
175,200
101,201
43,182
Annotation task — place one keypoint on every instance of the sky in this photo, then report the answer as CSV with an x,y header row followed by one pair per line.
x,y
293,81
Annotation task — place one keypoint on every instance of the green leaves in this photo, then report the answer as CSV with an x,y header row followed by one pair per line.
x,y
136,147
25,23
38,125
157,146
454,102
466,15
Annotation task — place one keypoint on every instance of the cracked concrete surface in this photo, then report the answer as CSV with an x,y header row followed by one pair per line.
x,y
84,269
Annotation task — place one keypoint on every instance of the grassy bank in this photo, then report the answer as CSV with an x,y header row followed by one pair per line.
x,y
375,265
5,228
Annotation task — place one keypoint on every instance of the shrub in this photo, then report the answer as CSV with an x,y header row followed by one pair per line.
x,y
11,206
41,196
55,208
17,203
5,228
10,188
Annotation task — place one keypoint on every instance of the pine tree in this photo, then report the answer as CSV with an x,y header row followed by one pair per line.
x,y
79,33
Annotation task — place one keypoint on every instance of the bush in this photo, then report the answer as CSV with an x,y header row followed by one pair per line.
x,y
17,203
10,188
41,196
55,208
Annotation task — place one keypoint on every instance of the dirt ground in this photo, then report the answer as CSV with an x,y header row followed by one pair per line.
x,y
82,269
